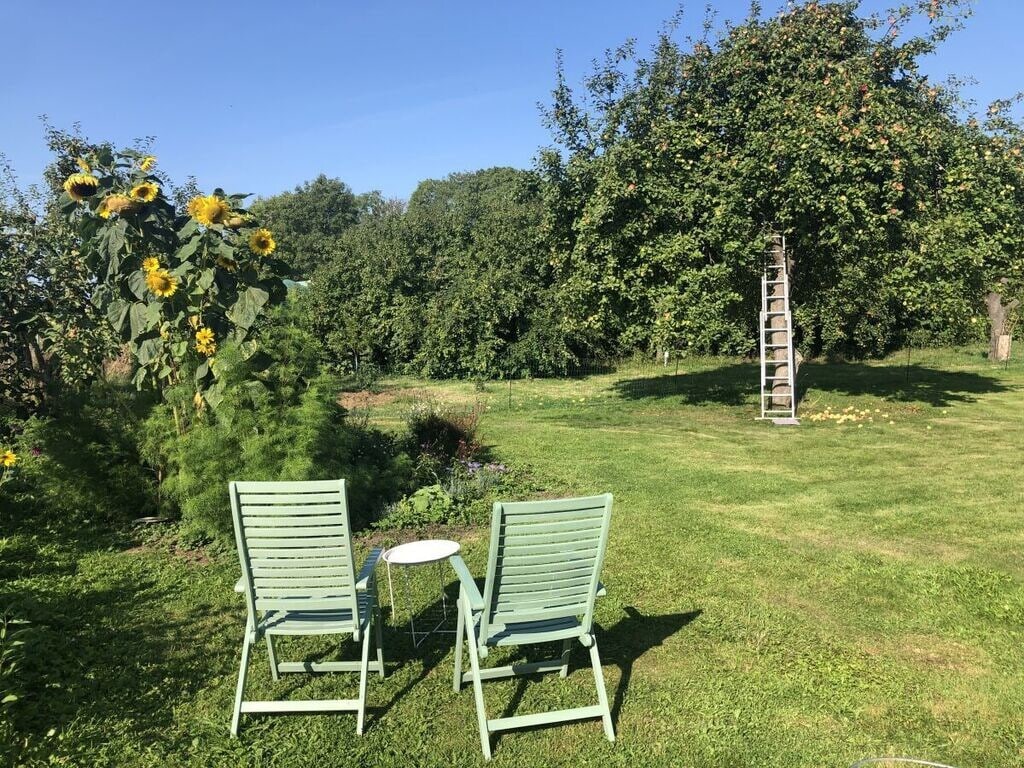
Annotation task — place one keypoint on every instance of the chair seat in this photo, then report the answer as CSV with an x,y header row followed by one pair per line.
x,y
526,632
315,622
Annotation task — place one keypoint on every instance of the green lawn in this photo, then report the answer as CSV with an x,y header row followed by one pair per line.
x,y
777,596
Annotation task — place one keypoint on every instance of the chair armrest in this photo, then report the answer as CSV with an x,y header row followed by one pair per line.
x,y
240,585
366,572
476,602
601,591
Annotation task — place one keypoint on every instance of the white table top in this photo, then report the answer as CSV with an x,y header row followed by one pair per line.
x,y
418,552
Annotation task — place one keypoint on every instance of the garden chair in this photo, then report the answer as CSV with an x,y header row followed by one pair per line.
x,y
541,583
298,577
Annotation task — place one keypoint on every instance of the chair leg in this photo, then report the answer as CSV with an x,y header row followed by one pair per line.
x,y
478,691
362,681
566,648
461,622
273,658
243,670
379,634
602,694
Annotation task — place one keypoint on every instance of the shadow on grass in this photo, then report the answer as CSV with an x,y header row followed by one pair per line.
x,y
622,644
737,384
106,654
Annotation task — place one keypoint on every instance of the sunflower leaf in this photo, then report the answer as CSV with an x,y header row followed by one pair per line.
x,y
138,320
244,311
117,310
190,228
188,249
137,284
149,350
116,238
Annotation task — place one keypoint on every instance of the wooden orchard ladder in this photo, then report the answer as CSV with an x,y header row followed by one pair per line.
x,y
778,374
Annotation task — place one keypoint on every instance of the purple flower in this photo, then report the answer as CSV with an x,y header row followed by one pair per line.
x,y
35,450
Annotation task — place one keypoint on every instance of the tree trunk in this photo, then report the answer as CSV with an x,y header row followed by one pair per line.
x,y
998,314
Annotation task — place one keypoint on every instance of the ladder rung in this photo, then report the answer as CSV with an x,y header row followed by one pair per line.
x,y
777,312
775,282
776,378
776,346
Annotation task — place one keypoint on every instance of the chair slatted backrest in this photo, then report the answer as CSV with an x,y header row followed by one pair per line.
x,y
295,545
545,560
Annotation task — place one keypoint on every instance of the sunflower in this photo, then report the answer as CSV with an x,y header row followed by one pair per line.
x,y
235,221
150,264
8,458
262,242
204,342
82,163
147,163
80,186
209,210
225,263
116,203
161,282
145,192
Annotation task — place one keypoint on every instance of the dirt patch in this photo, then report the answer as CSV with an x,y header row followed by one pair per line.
x,y
193,556
934,653
356,401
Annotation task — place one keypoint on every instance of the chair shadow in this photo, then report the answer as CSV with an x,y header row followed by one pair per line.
x,y
737,384
623,644
429,653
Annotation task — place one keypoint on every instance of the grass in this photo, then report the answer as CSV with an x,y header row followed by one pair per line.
x,y
777,596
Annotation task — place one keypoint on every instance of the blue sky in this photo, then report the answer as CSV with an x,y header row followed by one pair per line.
x,y
259,96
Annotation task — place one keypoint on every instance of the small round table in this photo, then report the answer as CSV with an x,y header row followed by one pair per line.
x,y
421,553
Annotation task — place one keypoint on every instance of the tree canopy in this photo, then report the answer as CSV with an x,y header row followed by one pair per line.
x,y
817,123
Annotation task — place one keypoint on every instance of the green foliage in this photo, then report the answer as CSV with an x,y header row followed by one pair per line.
x,y
440,434
430,505
487,300
80,464
51,336
814,122
309,219
280,423
457,285
173,286
365,301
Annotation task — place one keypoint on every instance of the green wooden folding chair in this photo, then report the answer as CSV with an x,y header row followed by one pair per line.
x,y
298,578
542,579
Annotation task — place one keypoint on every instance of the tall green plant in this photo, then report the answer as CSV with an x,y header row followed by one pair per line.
x,y
173,284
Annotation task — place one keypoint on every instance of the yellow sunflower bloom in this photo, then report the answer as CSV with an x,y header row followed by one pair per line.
x,y
162,283
116,203
80,186
204,342
147,163
262,242
150,264
209,210
8,458
225,263
82,163
145,192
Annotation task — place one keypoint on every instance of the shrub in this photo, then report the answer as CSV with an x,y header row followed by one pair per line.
x,y
428,505
279,424
441,434
82,462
